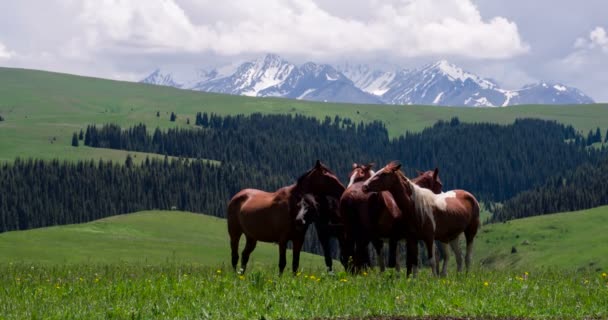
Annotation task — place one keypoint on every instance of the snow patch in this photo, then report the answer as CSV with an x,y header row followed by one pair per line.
x,y
438,98
559,87
300,97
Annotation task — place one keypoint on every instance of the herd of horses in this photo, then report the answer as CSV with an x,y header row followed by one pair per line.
x,y
374,207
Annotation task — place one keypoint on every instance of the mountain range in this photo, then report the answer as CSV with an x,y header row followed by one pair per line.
x,y
440,83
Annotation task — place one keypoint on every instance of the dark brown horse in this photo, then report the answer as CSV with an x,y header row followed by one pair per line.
x,y
279,216
372,217
428,216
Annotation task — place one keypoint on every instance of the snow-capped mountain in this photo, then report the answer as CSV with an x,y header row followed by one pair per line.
x,y
440,83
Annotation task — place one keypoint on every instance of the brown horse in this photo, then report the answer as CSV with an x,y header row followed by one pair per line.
x,y
371,217
429,216
429,180
279,216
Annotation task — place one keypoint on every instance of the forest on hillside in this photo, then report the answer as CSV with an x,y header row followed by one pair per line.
x,y
526,165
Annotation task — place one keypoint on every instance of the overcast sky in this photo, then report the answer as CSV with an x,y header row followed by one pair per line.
x,y
513,42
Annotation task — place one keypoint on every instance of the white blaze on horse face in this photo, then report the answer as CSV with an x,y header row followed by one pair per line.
x,y
302,213
441,200
352,178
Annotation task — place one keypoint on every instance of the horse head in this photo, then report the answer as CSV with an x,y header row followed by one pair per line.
x,y
429,180
360,172
308,210
320,181
385,179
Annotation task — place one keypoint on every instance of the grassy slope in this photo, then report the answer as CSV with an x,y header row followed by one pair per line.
x,y
566,240
149,237
39,106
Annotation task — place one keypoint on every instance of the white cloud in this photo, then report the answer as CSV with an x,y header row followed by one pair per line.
x,y
5,53
404,28
597,39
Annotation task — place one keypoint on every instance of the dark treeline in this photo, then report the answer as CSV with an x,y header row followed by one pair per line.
x,y
36,193
495,162
582,188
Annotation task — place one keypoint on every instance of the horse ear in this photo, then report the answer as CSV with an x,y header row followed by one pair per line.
x,y
435,173
318,164
398,167
370,165
419,173
354,165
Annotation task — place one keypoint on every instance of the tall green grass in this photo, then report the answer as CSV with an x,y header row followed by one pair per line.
x,y
193,292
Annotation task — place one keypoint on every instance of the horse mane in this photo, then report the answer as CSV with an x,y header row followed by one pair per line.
x,y
317,166
423,199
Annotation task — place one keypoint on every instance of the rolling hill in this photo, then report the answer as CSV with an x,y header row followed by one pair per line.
x,y
570,240
43,109
148,237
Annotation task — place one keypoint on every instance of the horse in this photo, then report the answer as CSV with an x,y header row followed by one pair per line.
x,y
429,216
429,180
280,216
374,216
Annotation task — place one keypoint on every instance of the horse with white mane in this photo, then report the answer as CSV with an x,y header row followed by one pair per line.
x,y
430,216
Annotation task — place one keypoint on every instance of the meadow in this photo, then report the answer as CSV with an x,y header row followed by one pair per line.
x,y
169,264
193,292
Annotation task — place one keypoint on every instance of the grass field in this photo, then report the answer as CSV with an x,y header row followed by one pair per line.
x,y
43,109
168,264
194,292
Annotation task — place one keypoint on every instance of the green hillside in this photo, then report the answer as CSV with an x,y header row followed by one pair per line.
x,y
568,240
149,237
43,109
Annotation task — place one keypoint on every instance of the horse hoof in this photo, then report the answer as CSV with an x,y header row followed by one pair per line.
x,y
241,271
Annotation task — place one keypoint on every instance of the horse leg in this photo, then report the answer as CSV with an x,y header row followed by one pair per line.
x,y
444,248
469,255
430,250
323,236
379,246
393,254
295,261
235,237
282,258
411,261
249,246
455,245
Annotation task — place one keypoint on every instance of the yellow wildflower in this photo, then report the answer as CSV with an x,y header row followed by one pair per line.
x,y
604,275
218,271
485,283
343,280
242,277
364,273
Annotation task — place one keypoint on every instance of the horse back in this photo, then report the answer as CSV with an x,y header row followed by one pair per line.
x,y
262,215
455,211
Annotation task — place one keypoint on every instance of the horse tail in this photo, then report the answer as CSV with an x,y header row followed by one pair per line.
x,y
474,224
234,226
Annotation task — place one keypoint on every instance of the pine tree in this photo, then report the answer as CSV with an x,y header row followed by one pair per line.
x,y
188,121
205,120
74,140
81,135
598,135
1,118
173,117
129,161
157,114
